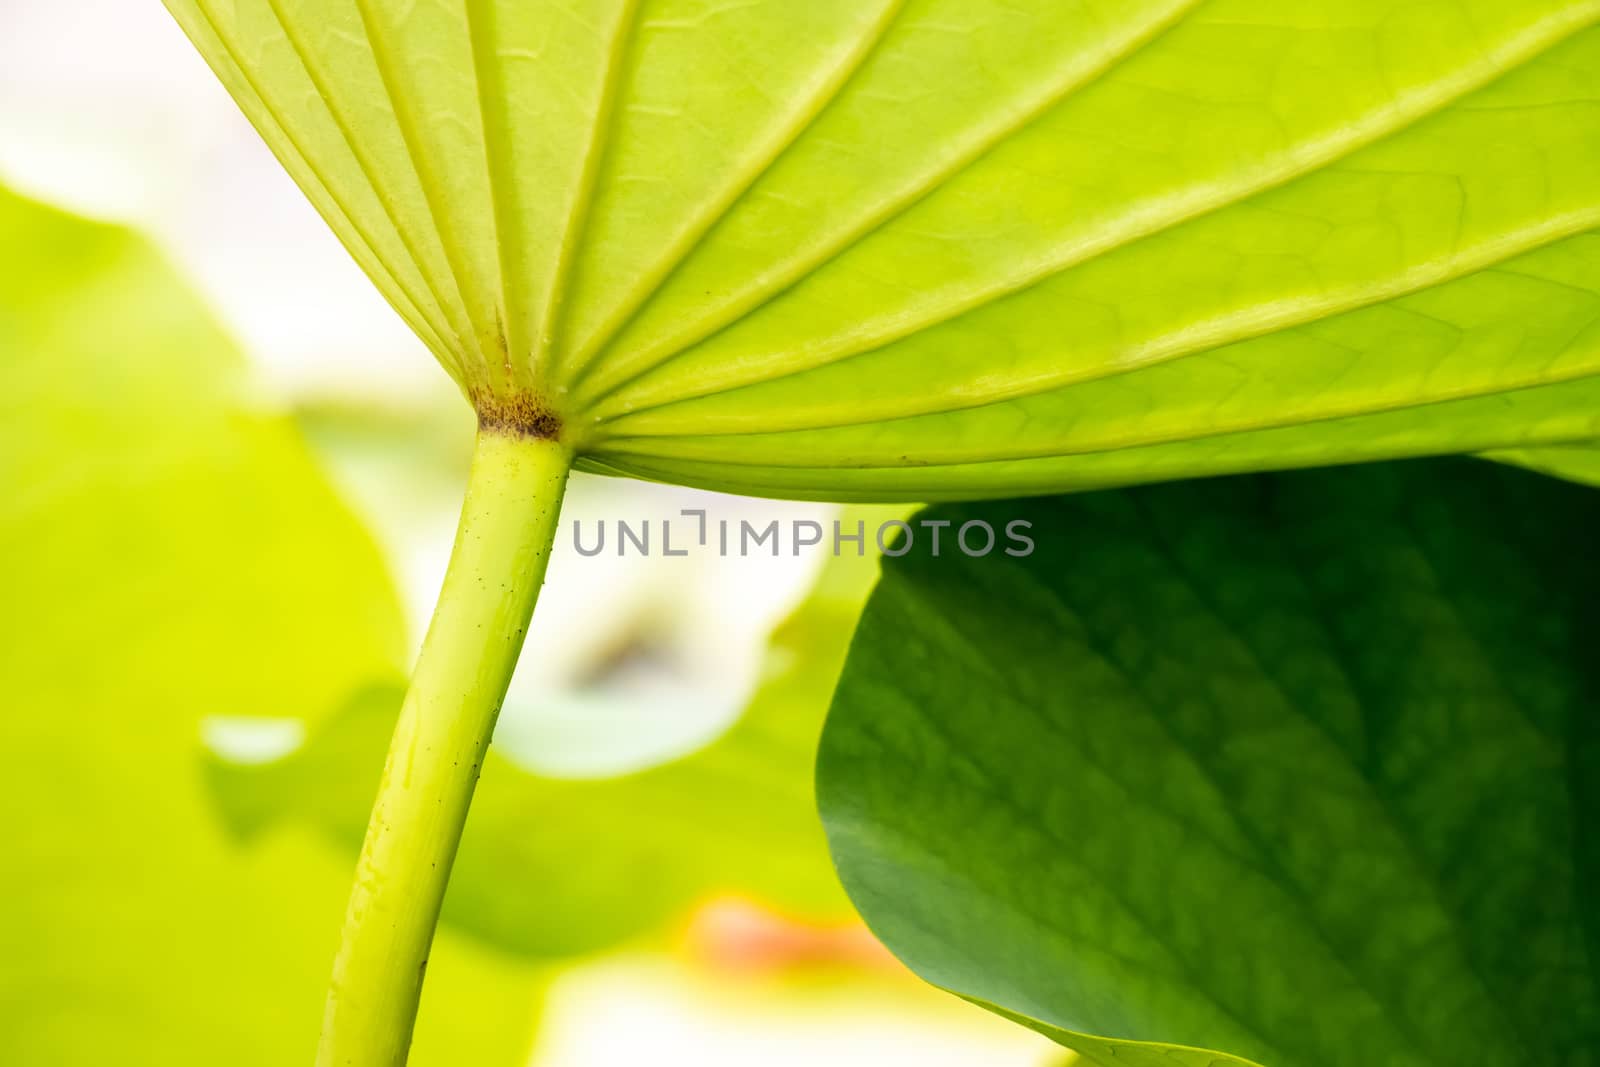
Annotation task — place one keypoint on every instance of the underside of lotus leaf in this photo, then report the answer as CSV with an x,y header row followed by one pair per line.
x,y
955,248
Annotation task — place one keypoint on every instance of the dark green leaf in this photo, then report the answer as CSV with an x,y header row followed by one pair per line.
x,y
1300,768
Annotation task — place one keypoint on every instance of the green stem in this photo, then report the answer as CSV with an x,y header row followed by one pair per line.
x,y
508,525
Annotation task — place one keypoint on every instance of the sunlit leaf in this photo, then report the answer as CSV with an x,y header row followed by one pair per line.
x,y
1577,463
557,867
957,248
168,555
1301,768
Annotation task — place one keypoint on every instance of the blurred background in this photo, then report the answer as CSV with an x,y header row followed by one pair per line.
x,y
233,478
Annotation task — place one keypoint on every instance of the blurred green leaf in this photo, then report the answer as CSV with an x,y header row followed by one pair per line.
x,y
929,249
168,555
1303,768
558,867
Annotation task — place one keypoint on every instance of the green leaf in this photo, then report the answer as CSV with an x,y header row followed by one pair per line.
x,y
928,249
1300,768
1577,464
554,867
168,555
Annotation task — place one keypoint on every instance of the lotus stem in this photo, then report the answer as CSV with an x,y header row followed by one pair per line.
x,y
508,525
